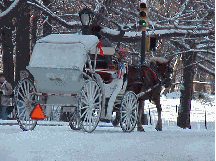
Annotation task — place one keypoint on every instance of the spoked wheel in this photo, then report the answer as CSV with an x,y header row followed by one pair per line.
x,y
24,103
74,121
128,111
90,105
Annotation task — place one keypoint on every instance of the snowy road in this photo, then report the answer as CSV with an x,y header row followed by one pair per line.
x,y
60,143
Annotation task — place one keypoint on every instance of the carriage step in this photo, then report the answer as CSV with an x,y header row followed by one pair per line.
x,y
119,96
54,94
104,120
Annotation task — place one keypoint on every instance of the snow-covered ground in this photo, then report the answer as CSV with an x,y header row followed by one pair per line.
x,y
60,143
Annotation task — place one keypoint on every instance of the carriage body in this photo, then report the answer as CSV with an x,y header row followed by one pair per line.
x,y
58,65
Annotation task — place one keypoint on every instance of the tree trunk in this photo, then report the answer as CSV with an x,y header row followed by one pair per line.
x,y
183,119
34,29
23,42
7,56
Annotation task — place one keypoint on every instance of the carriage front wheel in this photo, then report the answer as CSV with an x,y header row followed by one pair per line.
x,y
90,105
128,111
24,103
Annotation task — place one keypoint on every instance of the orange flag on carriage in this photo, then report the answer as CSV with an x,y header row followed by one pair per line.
x,y
37,113
99,45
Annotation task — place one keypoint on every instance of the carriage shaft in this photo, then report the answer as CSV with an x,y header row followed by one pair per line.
x,y
148,90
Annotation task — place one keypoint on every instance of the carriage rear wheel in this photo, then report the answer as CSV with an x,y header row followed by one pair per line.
x,y
90,105
74,121
128,111
24,103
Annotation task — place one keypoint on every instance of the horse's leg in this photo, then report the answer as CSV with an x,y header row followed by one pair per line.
x,y
156,100
159,122
140,112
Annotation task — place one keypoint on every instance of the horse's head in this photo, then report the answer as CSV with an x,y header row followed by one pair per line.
x,y
163,68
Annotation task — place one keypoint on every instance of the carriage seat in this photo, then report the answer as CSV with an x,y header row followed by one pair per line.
x,y
104,66
103,62
106,75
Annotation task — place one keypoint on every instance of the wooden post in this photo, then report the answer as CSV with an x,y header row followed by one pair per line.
x,y
143,47
205,119
150,117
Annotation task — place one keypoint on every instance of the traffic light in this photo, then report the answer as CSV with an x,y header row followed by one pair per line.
x,y
143,15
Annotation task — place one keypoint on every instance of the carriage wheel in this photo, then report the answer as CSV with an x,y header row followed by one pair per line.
x,y
128,111
24,103
90,105
74,121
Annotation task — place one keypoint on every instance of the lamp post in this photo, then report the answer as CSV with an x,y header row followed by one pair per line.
x,y
86,16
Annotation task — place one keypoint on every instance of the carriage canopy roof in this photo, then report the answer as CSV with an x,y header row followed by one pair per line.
x,y
88,41
62,51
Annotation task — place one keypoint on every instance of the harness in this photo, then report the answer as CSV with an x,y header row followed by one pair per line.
x,y
141,76
149,69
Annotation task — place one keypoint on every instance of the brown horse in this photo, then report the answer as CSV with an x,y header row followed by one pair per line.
x,y
149,80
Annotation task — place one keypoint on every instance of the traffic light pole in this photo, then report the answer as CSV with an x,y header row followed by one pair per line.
x,y
143,47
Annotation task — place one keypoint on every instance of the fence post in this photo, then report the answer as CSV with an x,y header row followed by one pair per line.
x,y
205,119
150,117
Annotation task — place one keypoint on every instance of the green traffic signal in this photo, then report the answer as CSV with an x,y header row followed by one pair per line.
x,y
142,23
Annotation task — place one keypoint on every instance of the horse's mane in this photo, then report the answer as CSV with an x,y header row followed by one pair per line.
x,y
160,60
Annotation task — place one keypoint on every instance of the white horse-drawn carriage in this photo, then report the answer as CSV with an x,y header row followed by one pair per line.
x,y
66,76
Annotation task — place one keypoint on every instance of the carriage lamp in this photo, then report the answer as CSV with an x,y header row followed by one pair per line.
x,y
86,16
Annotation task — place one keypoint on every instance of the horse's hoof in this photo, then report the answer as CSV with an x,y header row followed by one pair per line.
x,y
140,129
115,122
158,128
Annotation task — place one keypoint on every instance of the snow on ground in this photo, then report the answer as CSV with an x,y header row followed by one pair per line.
x,y
60,143
50,143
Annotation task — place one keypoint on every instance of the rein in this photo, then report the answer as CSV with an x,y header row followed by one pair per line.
x,y
129,84
148,90
151,88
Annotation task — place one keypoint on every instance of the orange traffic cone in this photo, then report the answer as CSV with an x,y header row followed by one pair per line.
x,y
37,113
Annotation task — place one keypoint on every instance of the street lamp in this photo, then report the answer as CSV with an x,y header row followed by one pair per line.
x,y
86,16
